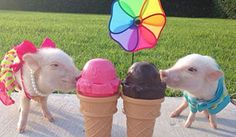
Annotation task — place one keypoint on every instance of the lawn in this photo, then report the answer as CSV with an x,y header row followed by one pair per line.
x,y
86,36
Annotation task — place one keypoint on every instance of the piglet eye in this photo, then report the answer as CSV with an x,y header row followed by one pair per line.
x,y
54,65
192,69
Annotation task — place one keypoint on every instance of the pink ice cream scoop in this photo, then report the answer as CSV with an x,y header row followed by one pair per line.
x,y
98,79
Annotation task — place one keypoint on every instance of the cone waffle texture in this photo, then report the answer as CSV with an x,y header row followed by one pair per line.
x,y
141,116
98,115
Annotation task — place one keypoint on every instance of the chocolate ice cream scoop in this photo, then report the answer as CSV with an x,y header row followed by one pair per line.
x,y
143,82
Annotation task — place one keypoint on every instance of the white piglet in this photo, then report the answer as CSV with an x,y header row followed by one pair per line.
x,y
40,72
202,82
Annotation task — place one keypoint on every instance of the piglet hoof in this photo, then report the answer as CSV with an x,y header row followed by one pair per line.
x,y
49,117
187,124
213,125
174,114
19,109
21,129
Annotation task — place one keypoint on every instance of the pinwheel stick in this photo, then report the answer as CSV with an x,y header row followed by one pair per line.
x,y
132,58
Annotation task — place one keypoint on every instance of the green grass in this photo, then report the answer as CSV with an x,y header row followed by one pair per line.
x,y
86,36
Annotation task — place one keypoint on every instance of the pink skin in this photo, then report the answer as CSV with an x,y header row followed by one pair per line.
x,y
197,75
53,70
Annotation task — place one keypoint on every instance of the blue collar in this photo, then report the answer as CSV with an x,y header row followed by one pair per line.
x,y
215,105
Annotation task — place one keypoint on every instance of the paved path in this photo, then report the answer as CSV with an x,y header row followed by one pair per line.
x,y
69,121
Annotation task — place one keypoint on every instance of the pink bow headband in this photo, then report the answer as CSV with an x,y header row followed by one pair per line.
x,y
48,43
28,47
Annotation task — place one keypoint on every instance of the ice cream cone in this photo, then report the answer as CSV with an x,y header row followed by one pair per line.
x,y
98,114
141,115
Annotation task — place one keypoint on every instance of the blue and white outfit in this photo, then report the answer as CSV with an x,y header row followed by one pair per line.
x,y
213,106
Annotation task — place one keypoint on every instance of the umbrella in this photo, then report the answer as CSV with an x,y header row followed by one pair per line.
x,y
136,24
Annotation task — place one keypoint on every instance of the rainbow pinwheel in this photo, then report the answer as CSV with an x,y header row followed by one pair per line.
x,y
136,24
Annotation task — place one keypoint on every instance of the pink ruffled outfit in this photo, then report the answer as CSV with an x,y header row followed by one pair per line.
x,y
12,63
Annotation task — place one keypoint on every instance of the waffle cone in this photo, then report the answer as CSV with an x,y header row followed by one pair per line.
x,y
98,115
141,116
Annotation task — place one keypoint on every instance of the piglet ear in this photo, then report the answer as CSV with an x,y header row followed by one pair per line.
x,y
48,43
32,61
215,75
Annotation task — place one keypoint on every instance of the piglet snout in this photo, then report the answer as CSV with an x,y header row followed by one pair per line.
x,y
78,76
163,75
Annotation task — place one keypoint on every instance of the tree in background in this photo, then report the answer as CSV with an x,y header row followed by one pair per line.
x,y
180,8
225,8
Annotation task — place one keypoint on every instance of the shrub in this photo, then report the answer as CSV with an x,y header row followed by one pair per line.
x,y
225,8
187,8
179,8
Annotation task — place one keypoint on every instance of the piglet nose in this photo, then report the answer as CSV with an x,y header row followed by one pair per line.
x,y
77,78
78,75
163,75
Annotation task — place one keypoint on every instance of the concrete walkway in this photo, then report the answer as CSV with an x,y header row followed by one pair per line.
x,y
69,121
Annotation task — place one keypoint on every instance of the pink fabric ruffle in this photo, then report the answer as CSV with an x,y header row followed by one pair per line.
x,y
21,49
6,100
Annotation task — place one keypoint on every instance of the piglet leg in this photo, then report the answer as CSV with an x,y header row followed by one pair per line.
x,y
46,113
212,120
205,112
191,118
179,110
24,112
